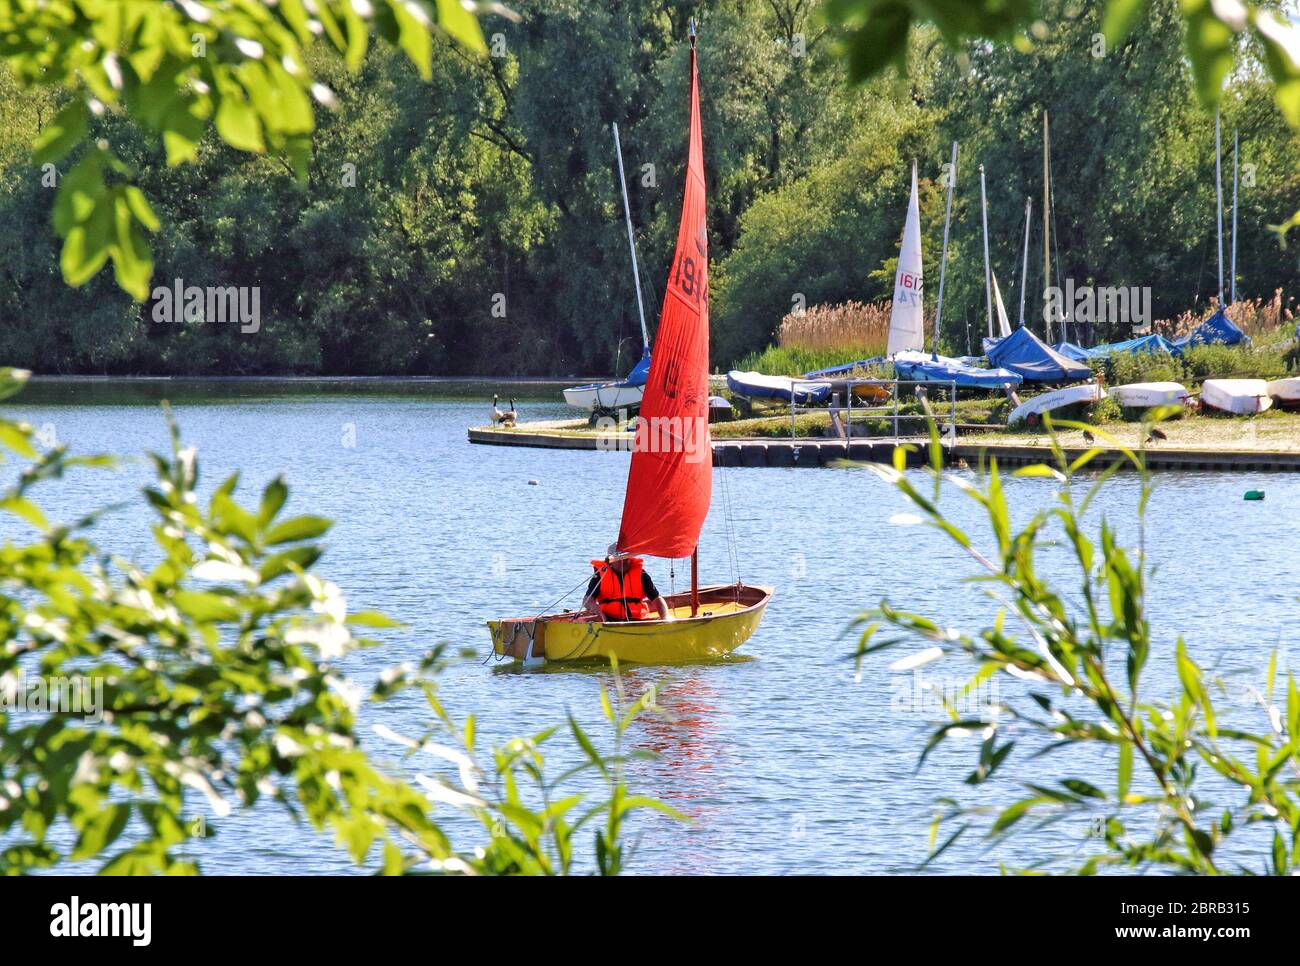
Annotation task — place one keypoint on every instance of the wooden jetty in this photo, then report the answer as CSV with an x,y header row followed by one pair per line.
x,y
819,451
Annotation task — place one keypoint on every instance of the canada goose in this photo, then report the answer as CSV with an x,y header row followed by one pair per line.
x,y
510,416
497,415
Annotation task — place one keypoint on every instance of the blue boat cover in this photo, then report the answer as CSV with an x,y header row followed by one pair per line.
x,y
935,368
1071,351
1146,343
1030,357
641,371
1216,329
757,385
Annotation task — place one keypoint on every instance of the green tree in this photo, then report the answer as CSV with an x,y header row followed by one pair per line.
x,y
175,70
874,36
823,235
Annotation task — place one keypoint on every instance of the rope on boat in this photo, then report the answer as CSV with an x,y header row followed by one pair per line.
x,y
729,524
565,596
582,647
492,654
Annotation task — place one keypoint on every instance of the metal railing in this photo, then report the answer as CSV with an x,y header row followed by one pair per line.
x,y
887,409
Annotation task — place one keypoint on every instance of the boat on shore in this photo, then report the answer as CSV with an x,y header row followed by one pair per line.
x,y
1145,395
669,483
872,392
906,319
626,393
757,385
612,396
1237,397
1285,392
928,367
1032,359
1143,345
1032,409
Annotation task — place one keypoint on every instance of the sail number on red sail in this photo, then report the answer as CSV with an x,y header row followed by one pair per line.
x,y
692,282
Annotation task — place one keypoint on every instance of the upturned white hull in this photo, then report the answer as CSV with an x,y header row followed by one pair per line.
x,y
1144,395
1285,392
1071,395
1239,397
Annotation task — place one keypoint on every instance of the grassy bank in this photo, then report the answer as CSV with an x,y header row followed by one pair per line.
x,y
795,361
1263,360
1272,430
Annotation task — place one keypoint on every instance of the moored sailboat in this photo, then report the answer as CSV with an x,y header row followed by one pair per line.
x,y
906,336
907,311
670,480
906,315
623,393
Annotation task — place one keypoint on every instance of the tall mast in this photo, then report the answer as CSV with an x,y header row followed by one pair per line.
x,y
631,244
1235,145
1047,233
988,284
1024,267
1218,190
695,553
943,259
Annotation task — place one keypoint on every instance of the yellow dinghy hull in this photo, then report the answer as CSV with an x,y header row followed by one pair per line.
x,y
728,615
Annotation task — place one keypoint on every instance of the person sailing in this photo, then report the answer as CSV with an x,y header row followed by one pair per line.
x,y
621,590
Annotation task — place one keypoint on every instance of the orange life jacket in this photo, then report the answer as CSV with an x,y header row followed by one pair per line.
x,y
621,597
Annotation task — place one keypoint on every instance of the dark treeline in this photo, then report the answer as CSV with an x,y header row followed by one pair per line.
x,y
473,224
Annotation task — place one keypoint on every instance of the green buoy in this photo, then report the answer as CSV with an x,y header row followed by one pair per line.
x,y
1254,495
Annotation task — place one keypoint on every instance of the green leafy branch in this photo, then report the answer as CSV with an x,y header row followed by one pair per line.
x,y
1061,644
179,67
530,817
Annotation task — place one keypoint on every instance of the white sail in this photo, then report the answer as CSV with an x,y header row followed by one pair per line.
x,y
1004,326
906,321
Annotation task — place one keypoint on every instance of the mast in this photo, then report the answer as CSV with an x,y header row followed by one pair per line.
x,y
1024,267
988,284
1235,146
695,580
1218,189
670,478
631,244
943,259
1047,233
695,552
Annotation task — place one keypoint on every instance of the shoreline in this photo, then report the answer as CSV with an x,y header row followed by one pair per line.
x,y
818,451
342,380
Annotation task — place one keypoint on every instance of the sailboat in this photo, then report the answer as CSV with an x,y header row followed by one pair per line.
x,y
906,317
626,393
906,321
670,481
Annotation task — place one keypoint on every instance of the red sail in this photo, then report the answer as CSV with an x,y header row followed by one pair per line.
x,y
671,478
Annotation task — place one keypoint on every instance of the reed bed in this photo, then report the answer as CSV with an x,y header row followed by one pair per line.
x,y
852,327
1256,317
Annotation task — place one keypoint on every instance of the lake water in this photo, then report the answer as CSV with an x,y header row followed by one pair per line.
x,y
782,759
